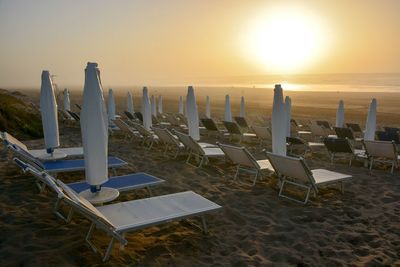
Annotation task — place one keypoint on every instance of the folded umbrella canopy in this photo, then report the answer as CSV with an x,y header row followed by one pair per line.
x,y
94,128
111,105
228,112
340,115
208,107
180,105
370,127
242,108
278,123
288,112
192,114
160,105
130,103
67,102
146,109
48,110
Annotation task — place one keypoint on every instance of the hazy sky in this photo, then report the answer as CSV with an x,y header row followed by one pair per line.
x,y
183,41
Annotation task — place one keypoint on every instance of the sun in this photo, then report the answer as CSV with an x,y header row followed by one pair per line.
x,y
286,39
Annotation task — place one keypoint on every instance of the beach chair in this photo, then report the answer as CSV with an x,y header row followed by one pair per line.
x,y
319,132
382,152
241,157
58,166
200,151
343,146
128,131
342,132
129,216
74,115
242,122
212,128
294,171
78,106
169,140
390,134
297,142
123,183
130,116
355,127
139,116
69,151
148,137
263,134
324,124
234,130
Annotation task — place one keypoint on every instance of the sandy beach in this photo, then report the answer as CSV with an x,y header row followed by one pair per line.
x,y
254,228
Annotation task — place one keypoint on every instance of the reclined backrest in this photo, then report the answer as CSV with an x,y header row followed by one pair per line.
x,y
343,132
338,145
139,116
262,132
141,129
291,167
40,175
385,149
355,127
188,142
129,115
241,121
239,155
84,205
165,136
11,139
295,141
209,124
318,130
26,156
232,127
324,124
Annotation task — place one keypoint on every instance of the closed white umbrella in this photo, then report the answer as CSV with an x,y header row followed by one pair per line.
x,y
94,128
130,103
146,109
278,123
370,127
242,108
192,114
153,106
340,114
160,104
67,102
48,110
208,107
180,105
228,112
288,111
111,105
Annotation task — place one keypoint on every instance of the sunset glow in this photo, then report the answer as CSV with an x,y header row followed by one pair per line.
x,y
286,40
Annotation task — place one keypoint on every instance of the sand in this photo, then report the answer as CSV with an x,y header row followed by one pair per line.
x,y
254,228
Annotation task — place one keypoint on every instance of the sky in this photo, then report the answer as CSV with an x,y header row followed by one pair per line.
x,y
144,42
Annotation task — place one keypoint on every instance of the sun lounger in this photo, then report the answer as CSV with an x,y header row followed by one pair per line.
x,y
343,146
57,166
382,152
342,132
212,127
241,157
296,142
74,115
294,171
128,131
201,151
170,141
319,132
324,124
120,218
263,134
355,127
242,122
234,130
69,151
149,137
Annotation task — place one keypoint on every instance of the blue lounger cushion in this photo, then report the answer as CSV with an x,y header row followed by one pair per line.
x,y
122,183
77,164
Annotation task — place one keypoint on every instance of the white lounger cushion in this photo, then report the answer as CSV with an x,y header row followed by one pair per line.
x,y
322,176
143,213
213,152
265,165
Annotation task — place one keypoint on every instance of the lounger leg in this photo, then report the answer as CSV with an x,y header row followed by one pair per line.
x,y
56,211
332,157
176,153
88,235
237,172
255,178
203,220
122,246
370,165
109,249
